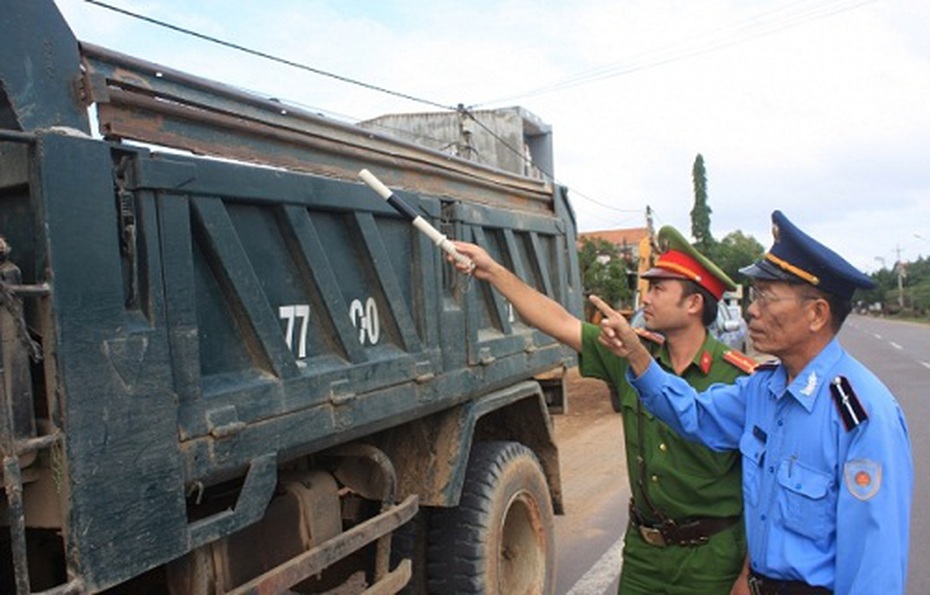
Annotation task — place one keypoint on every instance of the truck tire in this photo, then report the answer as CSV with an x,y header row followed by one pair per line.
x,y
409,541
500,539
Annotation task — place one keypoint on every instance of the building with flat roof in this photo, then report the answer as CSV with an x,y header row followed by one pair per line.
x,y
512,139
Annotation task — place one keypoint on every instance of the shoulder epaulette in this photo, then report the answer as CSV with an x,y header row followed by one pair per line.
x,y
851,410
740,360
651,336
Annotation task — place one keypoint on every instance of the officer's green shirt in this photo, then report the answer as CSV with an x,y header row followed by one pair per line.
x,y
683,479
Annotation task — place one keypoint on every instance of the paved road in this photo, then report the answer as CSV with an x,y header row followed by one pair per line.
x,y
596,490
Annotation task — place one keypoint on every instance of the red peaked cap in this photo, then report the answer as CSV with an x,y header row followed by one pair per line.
x,y
679,260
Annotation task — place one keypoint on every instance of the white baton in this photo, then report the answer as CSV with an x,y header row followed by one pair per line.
x,y
419,222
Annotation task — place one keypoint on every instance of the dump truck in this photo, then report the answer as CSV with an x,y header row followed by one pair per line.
x,y
229,367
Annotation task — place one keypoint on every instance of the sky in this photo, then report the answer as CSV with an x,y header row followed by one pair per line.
x,y
818,108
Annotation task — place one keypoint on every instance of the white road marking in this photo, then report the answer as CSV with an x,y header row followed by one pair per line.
x,y
605,571
877,336
925,364
895,345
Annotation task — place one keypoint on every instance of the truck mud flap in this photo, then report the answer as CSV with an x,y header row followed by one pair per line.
x,y
320,557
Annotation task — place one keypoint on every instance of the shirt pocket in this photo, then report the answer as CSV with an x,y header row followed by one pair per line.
x,y
753,451
807,499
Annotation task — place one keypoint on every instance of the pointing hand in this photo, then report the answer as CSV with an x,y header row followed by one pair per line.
x,y
616,333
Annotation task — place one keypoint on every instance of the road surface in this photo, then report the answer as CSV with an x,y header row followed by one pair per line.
x,y
596,491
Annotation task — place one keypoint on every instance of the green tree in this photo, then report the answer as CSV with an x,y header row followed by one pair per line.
x,y
915,285
700,214
735,251
885,281
603,273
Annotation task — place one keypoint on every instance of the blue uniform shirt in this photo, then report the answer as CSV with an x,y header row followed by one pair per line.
x,y
824,504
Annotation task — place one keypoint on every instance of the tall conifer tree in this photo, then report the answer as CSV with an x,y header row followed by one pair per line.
x,y
700,214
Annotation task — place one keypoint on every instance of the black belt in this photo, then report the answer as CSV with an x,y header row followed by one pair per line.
x,y
690,533
759,584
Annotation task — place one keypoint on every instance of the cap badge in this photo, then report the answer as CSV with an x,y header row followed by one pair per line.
x,y
775,232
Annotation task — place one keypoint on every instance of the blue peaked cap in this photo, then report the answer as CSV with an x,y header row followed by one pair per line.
x,y
795,256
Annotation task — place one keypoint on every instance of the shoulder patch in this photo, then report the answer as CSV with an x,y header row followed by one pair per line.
x,y
851,410
650,336
741,361
863,478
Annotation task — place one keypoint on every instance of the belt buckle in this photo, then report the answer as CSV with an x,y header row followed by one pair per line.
x,y
652,536
755,585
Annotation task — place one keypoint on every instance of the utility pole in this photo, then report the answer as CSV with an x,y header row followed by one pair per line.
x,y
901,274
649,224
646,258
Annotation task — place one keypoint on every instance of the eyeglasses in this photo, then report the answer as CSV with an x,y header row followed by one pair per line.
x,y
765,297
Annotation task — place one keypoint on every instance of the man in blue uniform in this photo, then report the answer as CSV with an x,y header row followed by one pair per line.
x,y
827,468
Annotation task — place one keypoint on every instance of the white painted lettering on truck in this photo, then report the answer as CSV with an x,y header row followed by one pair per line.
x,y
290,314
366,320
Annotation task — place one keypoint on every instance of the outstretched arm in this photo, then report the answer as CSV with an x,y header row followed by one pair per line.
x,y
537,309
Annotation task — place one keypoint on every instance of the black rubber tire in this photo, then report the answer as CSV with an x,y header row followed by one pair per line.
x,y
500,539
409,542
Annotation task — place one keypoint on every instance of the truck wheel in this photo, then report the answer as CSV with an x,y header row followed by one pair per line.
x,y
500,539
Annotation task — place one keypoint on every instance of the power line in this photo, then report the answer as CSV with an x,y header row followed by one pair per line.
x,y
764,26
754,27
460,109
575,192
267,56
300,66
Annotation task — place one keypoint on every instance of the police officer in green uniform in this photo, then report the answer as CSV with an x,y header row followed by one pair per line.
x,y
686,532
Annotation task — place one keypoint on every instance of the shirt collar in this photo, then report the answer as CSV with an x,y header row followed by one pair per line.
x,y
815,374
703,360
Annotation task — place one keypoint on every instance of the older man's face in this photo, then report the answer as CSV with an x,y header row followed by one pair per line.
x,y
780,316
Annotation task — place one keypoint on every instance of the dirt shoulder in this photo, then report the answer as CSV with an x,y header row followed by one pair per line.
x,y
588,401
590,441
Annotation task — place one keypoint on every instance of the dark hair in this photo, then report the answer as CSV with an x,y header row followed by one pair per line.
x,y
709,315
839,309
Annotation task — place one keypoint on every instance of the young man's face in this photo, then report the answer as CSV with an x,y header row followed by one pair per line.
x,y
778,320
666,308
